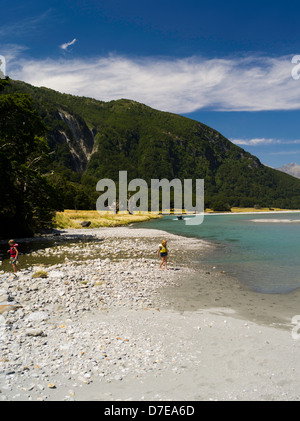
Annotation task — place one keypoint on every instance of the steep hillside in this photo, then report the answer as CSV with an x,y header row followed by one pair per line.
x,y
92,139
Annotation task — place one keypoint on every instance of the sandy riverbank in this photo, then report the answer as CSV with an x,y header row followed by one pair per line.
x,y
113,326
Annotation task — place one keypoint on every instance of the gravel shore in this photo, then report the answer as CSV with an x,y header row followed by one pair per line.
x,y
106,324
55,328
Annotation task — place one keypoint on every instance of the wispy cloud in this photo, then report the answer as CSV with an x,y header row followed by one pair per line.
x,y
264,141
256,141
68,44
24,26
13,52
285,152
176,85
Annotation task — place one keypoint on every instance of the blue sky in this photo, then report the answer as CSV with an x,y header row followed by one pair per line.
x,y
226,64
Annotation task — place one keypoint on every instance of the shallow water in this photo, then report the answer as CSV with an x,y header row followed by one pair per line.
x,y
49,251
68,249
261,250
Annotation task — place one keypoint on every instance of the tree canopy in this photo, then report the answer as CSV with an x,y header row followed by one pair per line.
x,y
26,198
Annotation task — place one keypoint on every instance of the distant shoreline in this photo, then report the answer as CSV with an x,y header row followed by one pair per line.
x,y
251,212
72,219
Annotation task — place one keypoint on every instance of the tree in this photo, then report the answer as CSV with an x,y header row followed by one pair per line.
x,y
25,196
220,205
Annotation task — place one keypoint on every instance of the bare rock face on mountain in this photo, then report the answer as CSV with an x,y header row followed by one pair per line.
x,y
292,169
76,137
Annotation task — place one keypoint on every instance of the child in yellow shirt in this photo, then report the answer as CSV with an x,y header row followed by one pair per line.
x,y
163,253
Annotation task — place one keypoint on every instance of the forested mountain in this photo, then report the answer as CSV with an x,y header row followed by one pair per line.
x,y
90,140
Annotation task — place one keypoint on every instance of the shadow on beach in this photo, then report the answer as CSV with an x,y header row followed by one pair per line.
x,y
26,246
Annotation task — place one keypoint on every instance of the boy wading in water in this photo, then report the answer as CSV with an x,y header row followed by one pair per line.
x,y
14,253
163,253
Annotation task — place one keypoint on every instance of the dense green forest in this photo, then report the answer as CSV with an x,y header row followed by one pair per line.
x,y
27,200
86,140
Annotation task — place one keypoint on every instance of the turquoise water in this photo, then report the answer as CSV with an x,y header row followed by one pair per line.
x,y
264,255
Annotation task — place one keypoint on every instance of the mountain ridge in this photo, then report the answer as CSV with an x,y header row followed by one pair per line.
x,y
291,169
91,139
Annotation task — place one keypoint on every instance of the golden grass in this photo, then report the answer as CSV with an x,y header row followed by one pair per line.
x,y
241,210
40,274
238,210
72,219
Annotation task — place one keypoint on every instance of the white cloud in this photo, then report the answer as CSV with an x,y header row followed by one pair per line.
x,y
68,44
264,141
256,141
176,85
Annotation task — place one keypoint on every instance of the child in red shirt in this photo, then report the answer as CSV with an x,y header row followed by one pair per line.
x,y
14,253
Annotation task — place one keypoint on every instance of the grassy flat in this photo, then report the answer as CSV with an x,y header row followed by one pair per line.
x,y
73,218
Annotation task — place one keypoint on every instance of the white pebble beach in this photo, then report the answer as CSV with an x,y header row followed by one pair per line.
x,y
106,324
